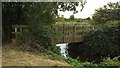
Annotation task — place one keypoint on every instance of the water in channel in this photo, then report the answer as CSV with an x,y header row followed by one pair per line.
x,y
63,48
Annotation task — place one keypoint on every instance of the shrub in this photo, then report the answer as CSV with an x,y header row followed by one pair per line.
x,y
41,36
75,62
44,38
109,63
102,42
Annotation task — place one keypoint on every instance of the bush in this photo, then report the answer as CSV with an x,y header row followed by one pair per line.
x,y
103,42
41,36
75,62
44,38
111,63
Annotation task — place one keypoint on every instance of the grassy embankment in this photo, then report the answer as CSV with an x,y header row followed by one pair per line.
x,y
12,55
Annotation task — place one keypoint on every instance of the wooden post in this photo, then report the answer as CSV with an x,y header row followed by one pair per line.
x,y
16,31
83,28
74,32
21,29
63,34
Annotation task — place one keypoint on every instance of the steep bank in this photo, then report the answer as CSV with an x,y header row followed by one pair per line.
x,y
12,56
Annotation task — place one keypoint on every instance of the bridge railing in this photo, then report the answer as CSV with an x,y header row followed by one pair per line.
x,y
64,33
71,33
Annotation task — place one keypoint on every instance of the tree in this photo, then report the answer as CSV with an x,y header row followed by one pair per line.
x,y
72,17
31,13
88,18
12,13
111,11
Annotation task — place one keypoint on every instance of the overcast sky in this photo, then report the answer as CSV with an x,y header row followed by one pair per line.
x,y
88,9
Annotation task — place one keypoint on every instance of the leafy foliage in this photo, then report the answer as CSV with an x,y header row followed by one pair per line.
x,y
39,36
72,17
107,62
105,42
107,13
11,14
75,62
31,13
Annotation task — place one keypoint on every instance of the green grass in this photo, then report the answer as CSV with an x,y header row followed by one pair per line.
x,y
13,57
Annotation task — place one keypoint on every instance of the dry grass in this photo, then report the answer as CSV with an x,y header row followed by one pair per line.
x,y
11,57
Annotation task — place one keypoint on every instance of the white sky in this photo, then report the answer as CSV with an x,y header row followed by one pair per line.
x,y
88,9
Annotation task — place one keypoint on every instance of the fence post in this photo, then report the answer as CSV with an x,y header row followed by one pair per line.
x,y
83,28
16,30
21,29
74,33
63,34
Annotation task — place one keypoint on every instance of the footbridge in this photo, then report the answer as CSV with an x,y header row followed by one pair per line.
x,y
71,33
